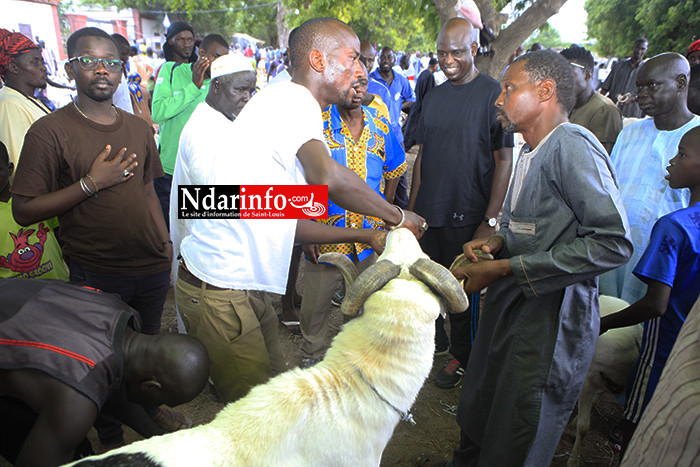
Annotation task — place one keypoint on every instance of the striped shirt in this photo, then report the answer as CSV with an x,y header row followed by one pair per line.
x,y
640,157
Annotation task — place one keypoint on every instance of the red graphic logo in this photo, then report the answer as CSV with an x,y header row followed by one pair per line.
x,y
252,201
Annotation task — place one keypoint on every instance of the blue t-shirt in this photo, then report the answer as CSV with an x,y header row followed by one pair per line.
x,y
673,258
393,95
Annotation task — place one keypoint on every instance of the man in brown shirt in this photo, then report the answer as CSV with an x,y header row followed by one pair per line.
x,y
592,111
93,165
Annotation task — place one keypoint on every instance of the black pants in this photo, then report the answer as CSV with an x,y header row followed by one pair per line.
x,y
145,294
401,195
163,186
16,421
466,454
442,245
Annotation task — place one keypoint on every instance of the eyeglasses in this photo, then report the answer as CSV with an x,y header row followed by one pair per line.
x,y
89,63
577,65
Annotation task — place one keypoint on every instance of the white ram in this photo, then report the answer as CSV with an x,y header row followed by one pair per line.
x,y
615,354
342,411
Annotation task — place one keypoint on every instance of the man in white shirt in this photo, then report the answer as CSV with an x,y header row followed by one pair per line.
x,y
234,85
231,264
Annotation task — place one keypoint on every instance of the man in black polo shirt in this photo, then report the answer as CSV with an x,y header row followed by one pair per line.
x,y
623,80
461,174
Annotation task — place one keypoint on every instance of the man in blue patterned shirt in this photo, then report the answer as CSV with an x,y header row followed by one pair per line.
x,y
362,140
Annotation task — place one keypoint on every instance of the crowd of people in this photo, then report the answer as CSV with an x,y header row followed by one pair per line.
x,y
92,240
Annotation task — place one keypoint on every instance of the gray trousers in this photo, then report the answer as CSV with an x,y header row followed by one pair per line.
x,y
320,283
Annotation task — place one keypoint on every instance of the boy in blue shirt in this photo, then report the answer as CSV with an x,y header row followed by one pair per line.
x,y
670,266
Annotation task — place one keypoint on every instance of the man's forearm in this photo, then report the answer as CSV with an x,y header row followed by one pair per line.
x,y
27,211
349,191
652,305
390,189
308,232
416,181
345,187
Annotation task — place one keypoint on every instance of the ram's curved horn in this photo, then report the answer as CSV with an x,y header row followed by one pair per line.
x,y
342,262
372,279
462,261
442,282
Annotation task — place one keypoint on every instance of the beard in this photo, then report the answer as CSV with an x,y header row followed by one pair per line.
x,y
509,126
347,96
100,95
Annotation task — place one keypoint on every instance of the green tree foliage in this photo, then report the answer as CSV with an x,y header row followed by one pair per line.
x,y
404,25
669,25
225,17
548,36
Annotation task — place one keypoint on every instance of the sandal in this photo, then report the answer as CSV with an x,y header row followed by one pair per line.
x,y
171,421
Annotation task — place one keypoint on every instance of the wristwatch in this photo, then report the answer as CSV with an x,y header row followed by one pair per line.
x,y
490,221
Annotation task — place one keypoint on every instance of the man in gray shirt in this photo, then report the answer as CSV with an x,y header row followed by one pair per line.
x,y
623,80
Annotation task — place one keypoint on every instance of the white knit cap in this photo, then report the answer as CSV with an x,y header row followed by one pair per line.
x,y
230,63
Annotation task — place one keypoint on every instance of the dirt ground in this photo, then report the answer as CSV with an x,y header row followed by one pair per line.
x,y
436,428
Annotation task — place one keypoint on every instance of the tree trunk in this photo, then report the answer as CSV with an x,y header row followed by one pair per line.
x,y
446,9
282,29
508,39
515,34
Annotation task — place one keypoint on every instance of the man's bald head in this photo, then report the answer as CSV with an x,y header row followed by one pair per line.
x,y
184,364
662,84
323,34
672,63
458,29
165,369
369,54
456,50
326,60
367,49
